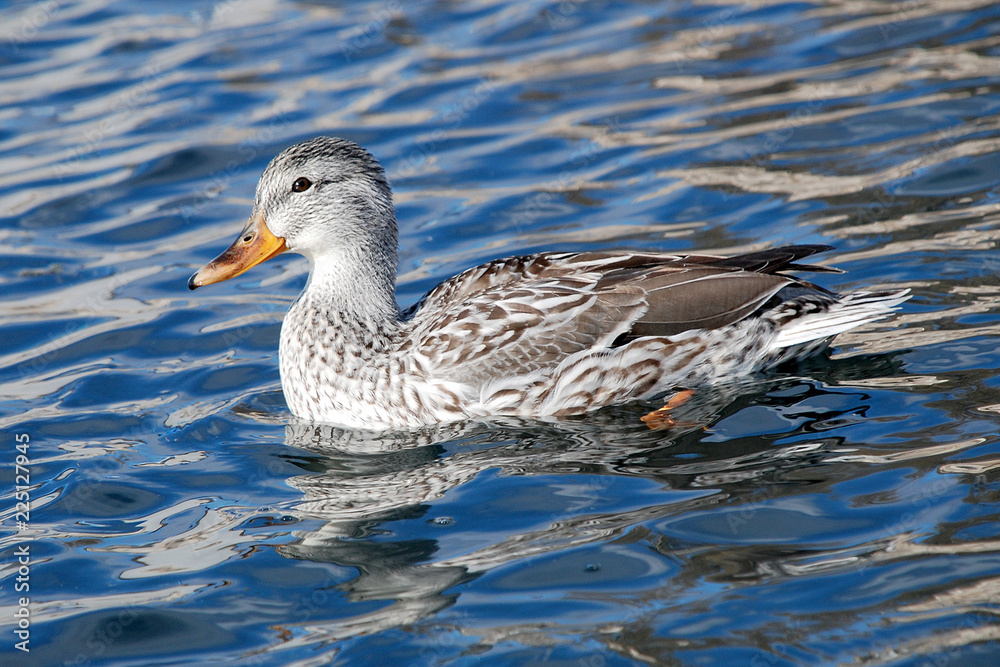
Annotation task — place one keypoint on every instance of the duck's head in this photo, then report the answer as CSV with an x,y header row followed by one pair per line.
x,y
327,199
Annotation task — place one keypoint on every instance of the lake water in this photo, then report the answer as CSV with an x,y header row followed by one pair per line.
x,y
845,510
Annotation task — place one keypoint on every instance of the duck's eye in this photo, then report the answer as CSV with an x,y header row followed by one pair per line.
x,y
301,184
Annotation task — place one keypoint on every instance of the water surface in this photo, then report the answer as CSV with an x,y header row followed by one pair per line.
x,y
840,511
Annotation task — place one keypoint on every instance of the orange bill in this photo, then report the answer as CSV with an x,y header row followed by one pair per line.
x,y
254,245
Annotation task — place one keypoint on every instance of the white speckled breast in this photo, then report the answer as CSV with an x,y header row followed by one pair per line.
x,y
350,371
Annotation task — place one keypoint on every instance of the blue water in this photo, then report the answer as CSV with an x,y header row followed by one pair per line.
x,y
841,511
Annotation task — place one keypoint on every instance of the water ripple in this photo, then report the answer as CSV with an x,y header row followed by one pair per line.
x,y
839,511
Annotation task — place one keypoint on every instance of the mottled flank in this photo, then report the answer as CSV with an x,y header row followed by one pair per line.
x,y
545,334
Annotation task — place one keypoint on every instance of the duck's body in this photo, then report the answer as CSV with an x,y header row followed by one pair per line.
x,y
546,334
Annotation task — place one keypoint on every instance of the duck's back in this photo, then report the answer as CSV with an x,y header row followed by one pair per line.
x,y
562,333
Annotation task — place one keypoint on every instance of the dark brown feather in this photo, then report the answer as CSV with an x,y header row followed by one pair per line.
x,y
704,299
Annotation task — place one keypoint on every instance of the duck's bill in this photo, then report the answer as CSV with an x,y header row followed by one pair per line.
x,y
254,245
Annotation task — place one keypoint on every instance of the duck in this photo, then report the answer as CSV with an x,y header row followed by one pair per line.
x,y
544,335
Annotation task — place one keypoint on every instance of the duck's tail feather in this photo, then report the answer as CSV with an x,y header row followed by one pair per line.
x,y
808,323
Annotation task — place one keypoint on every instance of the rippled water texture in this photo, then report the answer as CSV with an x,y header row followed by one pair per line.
x,y
842,511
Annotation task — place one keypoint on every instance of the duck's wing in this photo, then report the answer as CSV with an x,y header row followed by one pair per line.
x,y
708,292
515,316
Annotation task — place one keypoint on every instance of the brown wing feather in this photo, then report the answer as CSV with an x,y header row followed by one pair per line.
x,y
528,313
704,299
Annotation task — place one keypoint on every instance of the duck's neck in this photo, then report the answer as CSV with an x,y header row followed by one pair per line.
x,y
337,344
362,290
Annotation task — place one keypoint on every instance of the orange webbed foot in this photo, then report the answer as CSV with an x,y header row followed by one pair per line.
x,y
660,418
